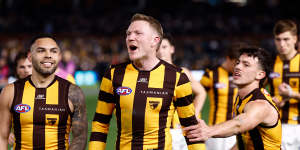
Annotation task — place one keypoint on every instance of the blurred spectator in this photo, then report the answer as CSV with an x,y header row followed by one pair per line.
x,y
67,64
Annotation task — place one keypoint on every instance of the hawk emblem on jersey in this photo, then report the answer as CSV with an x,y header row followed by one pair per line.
x,y
153,104
51,121
274,75
22,108
123,90
220,85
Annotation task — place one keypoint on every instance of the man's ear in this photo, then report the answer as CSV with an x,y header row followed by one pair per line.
x,y
29,57
260,75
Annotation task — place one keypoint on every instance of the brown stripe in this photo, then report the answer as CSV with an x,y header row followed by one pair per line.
x,y
240,142
118,77
285,109
183,79
98,136
230,101
256,139
106,97
102,118
18,94
169,83
184,101
188,121
216,93
63,92
139,105
39,121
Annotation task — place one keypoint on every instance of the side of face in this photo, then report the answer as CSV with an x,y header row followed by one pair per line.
x,y
141,40
45,56
247,70
285,42
165,50
24,68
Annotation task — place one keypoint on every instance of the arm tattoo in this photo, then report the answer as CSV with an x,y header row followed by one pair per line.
x,y
79,119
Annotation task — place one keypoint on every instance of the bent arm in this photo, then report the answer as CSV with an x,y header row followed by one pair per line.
x,y
79,120
255,113
6,97
198,91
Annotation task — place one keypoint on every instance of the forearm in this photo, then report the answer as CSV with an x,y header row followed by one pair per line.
x,y
79,133
226,129
198,103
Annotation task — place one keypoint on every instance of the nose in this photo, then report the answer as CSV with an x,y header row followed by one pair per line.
x,y
48,54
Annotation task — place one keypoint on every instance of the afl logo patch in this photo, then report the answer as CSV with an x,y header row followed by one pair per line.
x,y
22,108
123,90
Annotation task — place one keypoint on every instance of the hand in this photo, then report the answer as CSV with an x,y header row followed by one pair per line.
x,y
285,90
199,132
11,139
278,103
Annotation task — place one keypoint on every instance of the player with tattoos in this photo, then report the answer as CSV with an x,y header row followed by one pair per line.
x,y
256,120
43,107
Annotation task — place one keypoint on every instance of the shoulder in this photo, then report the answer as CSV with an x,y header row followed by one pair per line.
x,y
171,67
7,95
121,65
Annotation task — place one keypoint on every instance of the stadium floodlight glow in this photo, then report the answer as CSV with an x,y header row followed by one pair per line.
x,y
238,2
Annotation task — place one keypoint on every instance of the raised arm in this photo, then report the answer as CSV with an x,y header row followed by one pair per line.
x,y
6,98
198,91
79,120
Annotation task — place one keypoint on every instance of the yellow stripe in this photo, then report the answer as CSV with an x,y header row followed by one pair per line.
x,y
27,118
105,108
152,113
106,85
184,90
186,111
156,78
51,130
99,127
223,96
96,145
126,103
52,94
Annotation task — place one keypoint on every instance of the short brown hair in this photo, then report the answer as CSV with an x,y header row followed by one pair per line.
x,y
282,26
152,21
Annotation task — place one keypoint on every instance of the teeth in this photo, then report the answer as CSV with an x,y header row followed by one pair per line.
x,y
47,64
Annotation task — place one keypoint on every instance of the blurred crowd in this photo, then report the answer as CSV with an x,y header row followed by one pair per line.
x,y
92,33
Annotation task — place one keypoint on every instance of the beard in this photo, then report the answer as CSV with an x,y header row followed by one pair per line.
x,y
42,71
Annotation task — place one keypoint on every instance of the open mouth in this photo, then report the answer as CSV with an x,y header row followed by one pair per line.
x,y
132,47
47,64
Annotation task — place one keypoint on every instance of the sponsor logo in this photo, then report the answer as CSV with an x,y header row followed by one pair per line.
x,y
52,109
274,75
22,108
123,90
143,80
153,104
40,97
220,85
286,66
155,92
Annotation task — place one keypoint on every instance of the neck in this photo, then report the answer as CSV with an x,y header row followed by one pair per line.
x,y
146,64
244,90
41,81
288,56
